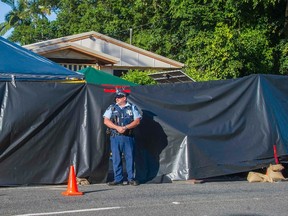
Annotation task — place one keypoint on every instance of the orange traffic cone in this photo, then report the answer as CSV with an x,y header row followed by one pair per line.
x,y
72,188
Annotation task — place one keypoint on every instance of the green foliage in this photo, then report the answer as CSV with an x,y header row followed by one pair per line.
x,y
28,19
283,48
226,53
139,77
216,39
214,55
32,33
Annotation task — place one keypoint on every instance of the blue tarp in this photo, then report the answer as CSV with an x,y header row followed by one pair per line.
x,y
19,63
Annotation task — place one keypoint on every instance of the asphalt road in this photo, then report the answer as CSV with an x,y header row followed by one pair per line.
x,y
233,198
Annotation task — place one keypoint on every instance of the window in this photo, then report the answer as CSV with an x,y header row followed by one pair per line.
x,y
119,72
77,67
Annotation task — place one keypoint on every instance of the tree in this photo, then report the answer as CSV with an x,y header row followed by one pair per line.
x,y
26,17
228,38
139,77
216,39
19,15
283,56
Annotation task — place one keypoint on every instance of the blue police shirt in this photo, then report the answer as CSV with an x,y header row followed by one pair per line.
x,y
136,113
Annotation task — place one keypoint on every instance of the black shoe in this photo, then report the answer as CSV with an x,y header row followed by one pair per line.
x,y
114,183
133,182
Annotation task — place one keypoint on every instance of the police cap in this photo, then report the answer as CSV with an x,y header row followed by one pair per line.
x,y
120,94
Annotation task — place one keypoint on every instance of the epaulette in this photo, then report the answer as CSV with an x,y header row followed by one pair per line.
x,y
112,107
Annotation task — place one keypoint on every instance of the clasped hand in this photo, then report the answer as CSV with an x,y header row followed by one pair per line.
x,y
121,129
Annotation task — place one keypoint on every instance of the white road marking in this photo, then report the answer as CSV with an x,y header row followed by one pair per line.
x,y
72,211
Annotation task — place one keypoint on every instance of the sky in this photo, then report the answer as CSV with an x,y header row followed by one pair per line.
x,y
4,9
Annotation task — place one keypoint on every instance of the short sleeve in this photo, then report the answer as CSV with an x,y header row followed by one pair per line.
x,y
108,112
136,112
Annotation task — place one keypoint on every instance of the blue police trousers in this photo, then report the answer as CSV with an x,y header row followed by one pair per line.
x,y
125,145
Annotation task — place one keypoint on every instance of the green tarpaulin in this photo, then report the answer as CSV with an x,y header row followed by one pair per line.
x,y
99,77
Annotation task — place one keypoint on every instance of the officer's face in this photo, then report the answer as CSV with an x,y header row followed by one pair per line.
x,y
121,100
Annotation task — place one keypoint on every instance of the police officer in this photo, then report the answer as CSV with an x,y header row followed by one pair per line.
x,y
120,118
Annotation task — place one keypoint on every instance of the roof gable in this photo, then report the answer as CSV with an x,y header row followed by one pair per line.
x,y
127,54
75,52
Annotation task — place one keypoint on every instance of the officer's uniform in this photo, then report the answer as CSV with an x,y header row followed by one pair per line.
x,y
122,143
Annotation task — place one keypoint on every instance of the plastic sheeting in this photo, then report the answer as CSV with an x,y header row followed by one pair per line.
x,y
99,77
18,63
208,129
45,128
191,130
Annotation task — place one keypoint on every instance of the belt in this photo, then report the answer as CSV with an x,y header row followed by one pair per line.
x,y
119,134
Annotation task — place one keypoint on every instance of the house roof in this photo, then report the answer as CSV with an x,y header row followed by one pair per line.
x,y
96,57
128,49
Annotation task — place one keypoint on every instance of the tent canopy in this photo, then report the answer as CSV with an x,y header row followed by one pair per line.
x,y
99,77
22,64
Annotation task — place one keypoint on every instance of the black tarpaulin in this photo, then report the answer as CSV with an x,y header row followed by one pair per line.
x,y
45,128
191,130
208,129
